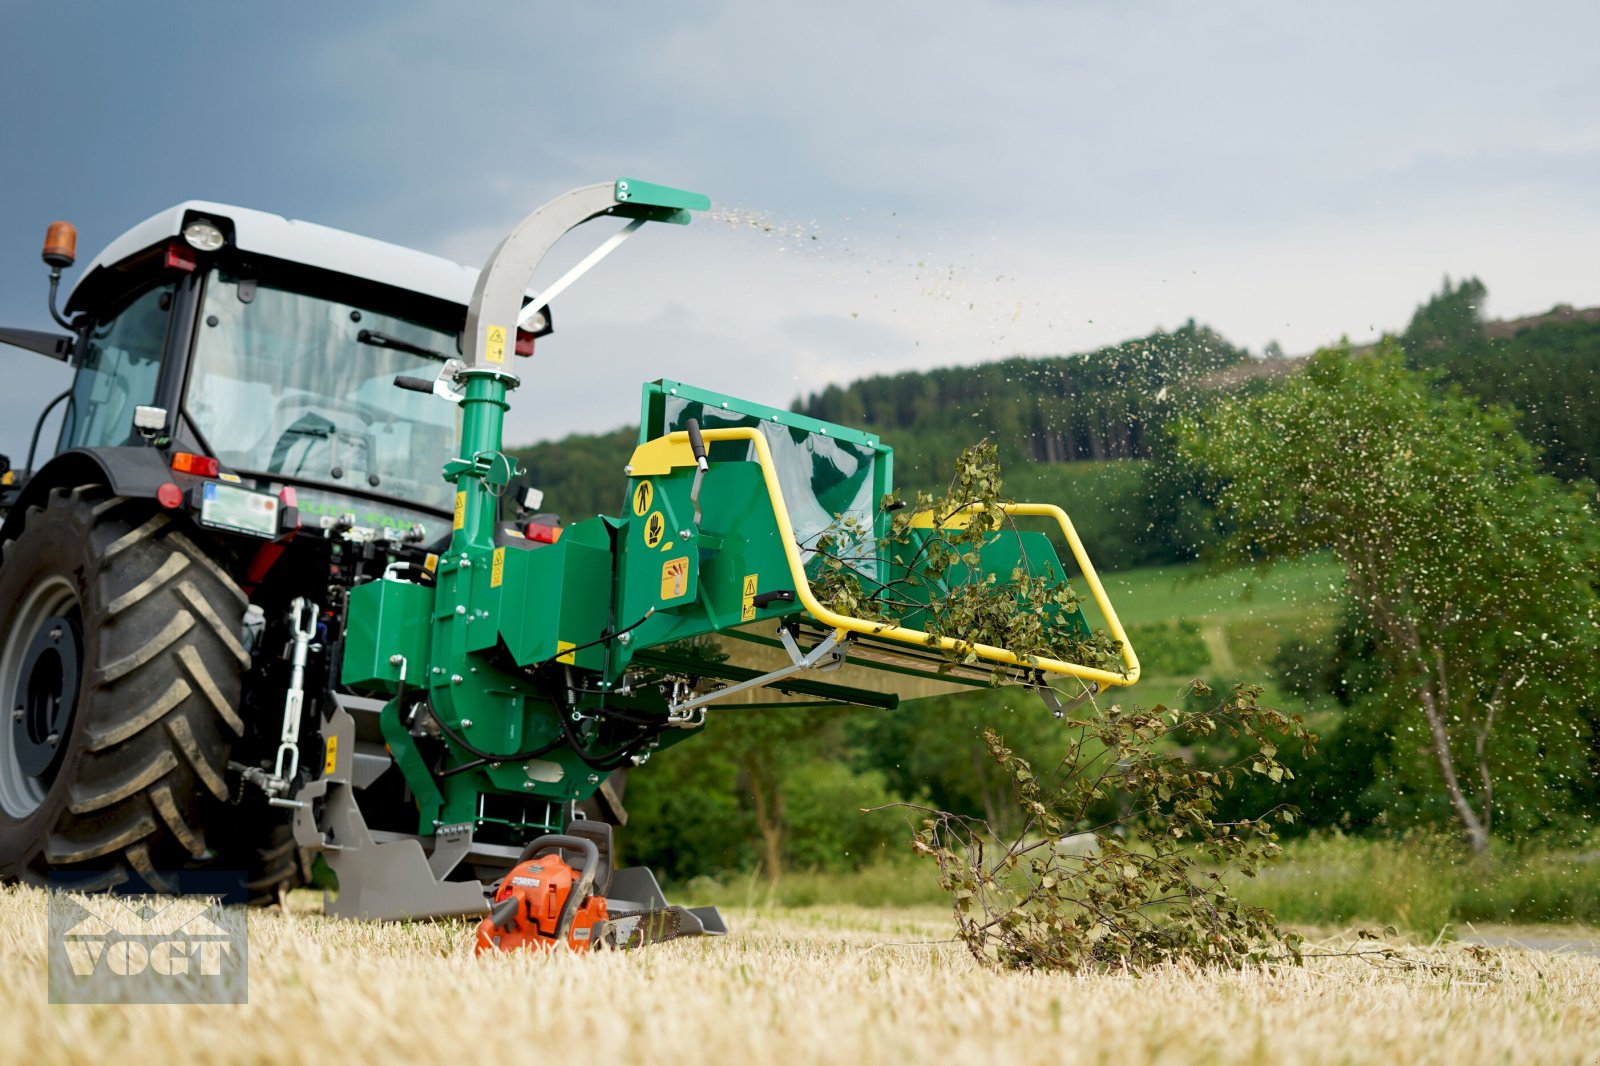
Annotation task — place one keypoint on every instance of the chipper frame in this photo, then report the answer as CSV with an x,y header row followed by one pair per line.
x,y
514,677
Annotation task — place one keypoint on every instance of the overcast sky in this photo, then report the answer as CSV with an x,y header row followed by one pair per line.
x,y
898,185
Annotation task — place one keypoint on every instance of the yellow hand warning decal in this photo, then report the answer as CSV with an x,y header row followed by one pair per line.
x,y
461,510
748,609
654,527
494,344
497,569
674,577
564,647
643,493
332,760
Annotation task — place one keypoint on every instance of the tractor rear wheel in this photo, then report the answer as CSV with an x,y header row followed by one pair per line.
x,y
120,670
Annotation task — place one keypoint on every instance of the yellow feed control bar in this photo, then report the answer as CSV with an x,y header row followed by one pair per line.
x,y
660,456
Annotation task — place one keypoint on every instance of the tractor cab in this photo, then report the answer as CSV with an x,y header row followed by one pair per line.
x,y
265,352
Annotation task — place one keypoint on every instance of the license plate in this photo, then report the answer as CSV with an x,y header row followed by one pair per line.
x,y
240,510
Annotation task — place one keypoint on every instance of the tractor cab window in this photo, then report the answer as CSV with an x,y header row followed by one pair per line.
x,y
118,373
280,385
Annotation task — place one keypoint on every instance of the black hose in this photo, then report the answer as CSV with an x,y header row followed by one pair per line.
x,y
39,426
616,757
601,639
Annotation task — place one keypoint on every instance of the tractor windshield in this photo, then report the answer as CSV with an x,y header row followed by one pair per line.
x,y
280,385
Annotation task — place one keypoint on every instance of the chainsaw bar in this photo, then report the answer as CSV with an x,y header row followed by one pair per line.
x,y
637,929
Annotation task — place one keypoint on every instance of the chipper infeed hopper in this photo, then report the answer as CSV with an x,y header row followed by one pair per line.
x,y
510,679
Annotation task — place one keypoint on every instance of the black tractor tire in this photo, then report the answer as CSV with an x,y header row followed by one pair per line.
x,y
142,745
261,843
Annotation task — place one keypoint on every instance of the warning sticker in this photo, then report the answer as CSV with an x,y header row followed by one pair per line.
x,y
643,493
494,344
654,527
497,569
748,610
461,510
564,648
333,755
674,577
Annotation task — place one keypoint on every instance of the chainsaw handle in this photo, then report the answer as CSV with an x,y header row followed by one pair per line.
x,y
558,842
585,883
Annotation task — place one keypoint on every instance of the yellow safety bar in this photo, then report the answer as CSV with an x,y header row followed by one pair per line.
x,y
658,457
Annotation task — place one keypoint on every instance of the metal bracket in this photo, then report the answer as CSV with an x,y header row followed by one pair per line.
x,y
828,655
1052,698
492,468
444,386
531,310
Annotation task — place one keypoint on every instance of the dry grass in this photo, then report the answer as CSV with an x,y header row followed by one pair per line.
x,y
842,986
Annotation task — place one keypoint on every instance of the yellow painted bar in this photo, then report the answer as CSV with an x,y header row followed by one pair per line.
x,y
660,456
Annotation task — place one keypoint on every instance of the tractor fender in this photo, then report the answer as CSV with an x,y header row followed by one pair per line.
x,y
132,471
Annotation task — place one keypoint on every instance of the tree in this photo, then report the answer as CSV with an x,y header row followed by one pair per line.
x,y
1475,574
1452,319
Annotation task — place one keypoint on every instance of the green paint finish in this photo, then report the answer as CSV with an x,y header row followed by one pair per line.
x,y
403,746
634,192
557,593
382,622
737,539
654,422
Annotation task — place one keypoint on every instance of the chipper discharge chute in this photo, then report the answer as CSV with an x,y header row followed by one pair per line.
x,y
244,621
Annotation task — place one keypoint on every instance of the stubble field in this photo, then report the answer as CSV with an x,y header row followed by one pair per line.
x,y
824,986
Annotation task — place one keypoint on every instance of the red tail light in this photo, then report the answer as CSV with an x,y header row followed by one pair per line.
x,y
543,534
180,255
198,465
524,342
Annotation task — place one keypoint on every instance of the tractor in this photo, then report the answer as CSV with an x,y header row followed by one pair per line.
x,y
279,590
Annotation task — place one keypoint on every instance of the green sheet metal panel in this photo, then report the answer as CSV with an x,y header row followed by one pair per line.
x,y
383,621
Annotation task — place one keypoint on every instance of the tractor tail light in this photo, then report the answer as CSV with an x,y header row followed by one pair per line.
x,y
198,465
524,342
169,496
180,256
543,534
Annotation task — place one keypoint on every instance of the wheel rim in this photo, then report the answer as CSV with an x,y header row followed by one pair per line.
x,y
40,674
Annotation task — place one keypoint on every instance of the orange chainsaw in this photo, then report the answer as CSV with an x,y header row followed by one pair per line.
x,y
555,895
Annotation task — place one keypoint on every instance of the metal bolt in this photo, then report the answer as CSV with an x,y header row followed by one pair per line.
x,y
460,609
456,679
594,779
528,785
466,723
53,739
16,715
55,633
625,638
396,660
684,533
